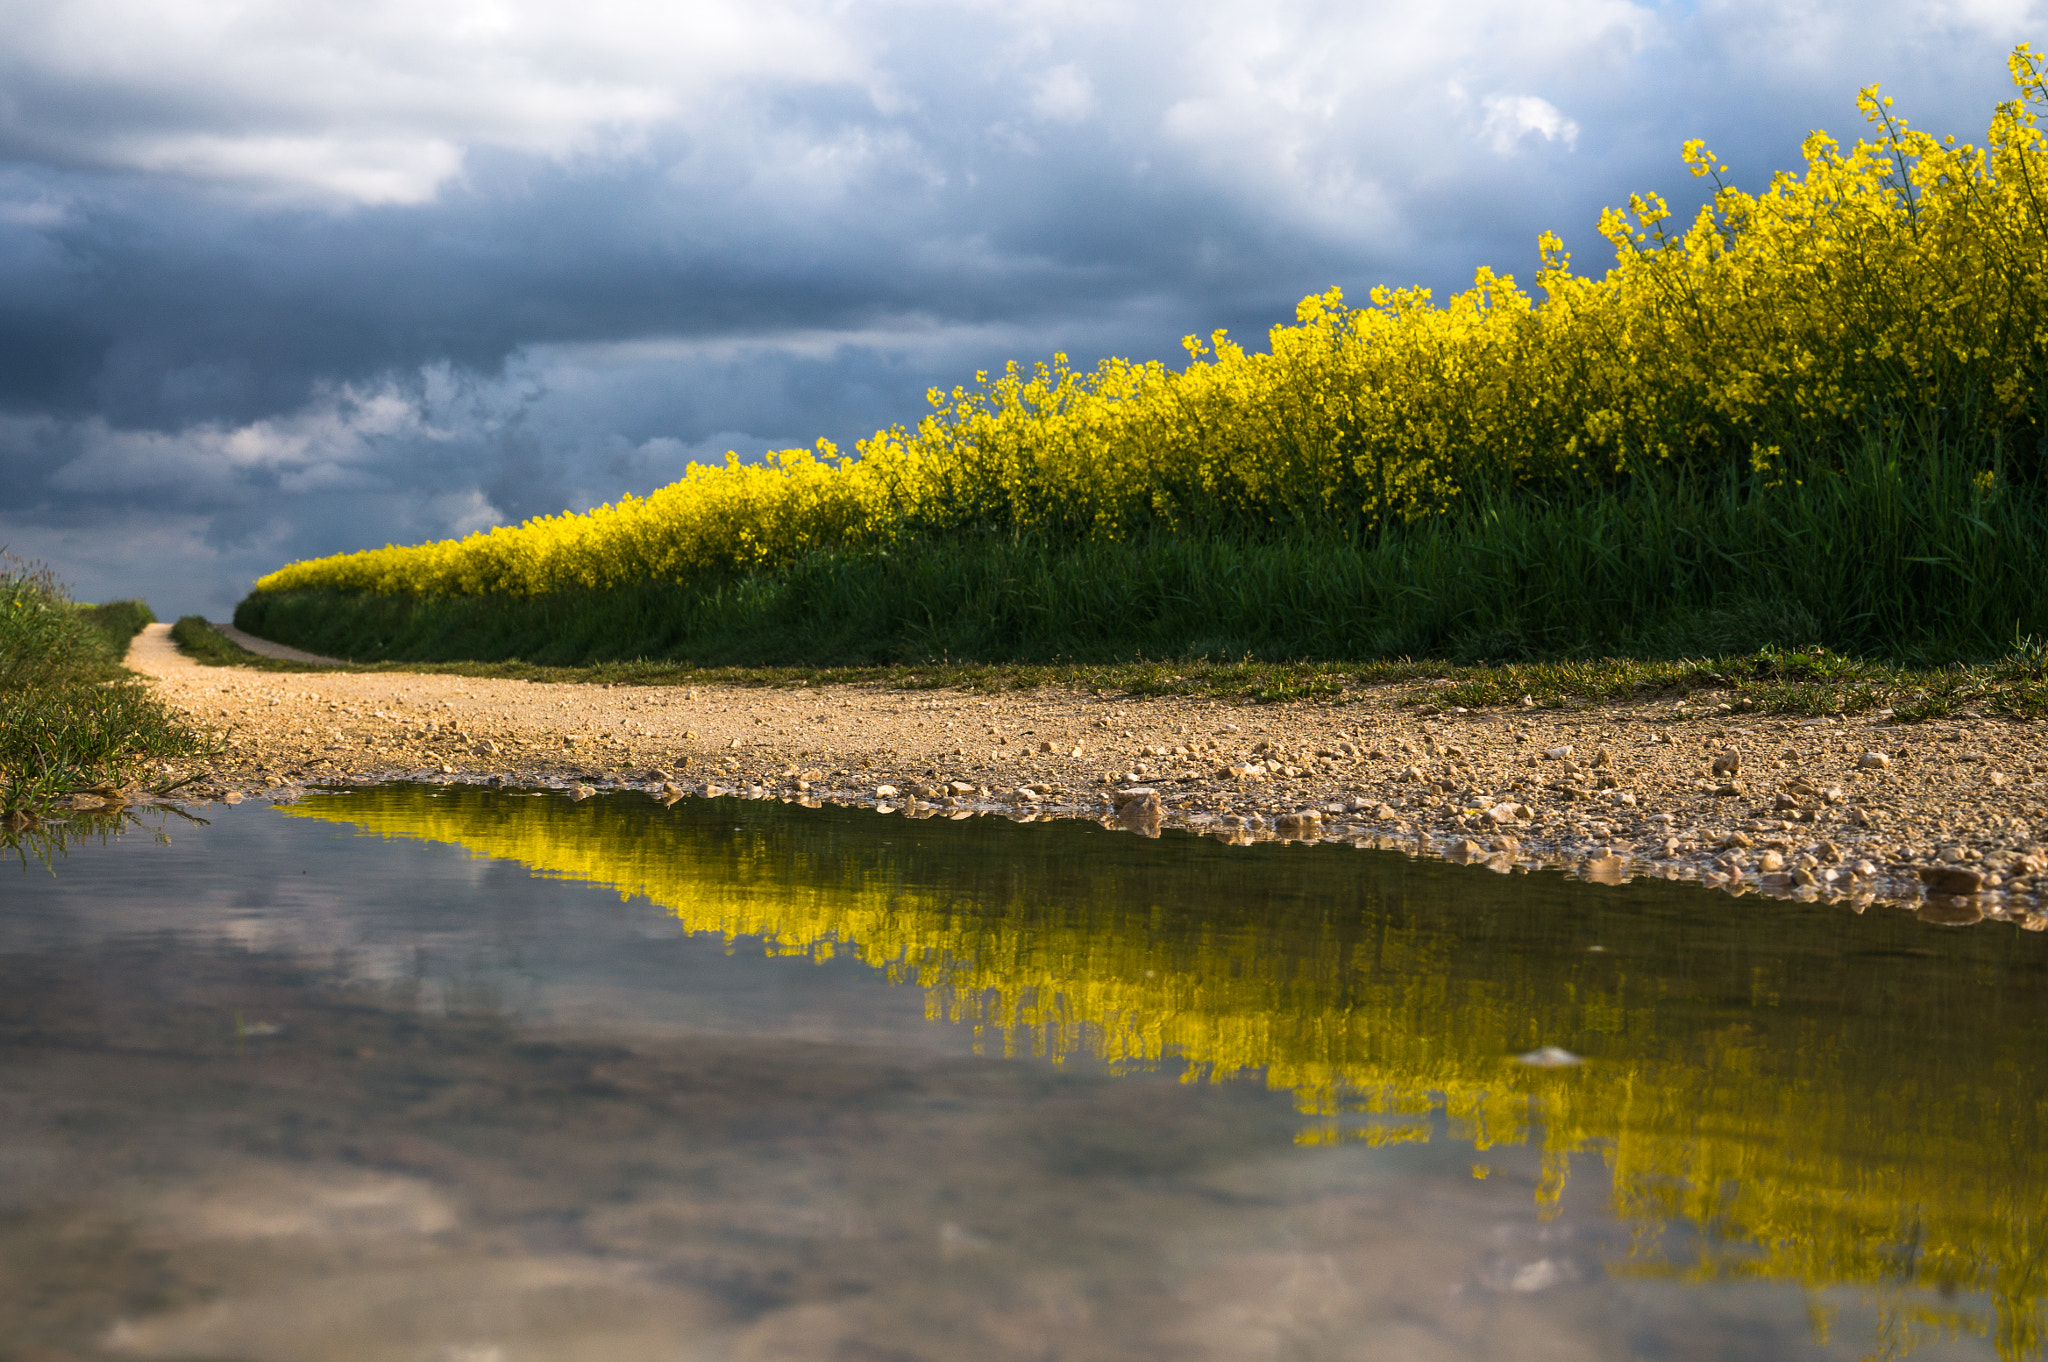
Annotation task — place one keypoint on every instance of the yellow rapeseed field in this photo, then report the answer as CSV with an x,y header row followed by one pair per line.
x,y
1902,282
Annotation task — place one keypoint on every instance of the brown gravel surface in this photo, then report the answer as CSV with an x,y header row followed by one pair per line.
x,y
1947,817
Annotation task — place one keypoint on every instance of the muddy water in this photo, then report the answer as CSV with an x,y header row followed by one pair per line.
x,y
455,1076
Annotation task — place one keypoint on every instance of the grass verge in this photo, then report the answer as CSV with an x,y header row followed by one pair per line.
x,y
199,640
74,721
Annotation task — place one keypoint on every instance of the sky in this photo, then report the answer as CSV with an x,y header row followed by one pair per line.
x,y
283,278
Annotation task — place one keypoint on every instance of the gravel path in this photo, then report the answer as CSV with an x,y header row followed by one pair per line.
x,y
1948,818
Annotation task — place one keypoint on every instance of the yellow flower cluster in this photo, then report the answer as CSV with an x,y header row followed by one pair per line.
x,y
1761,1134
1902,283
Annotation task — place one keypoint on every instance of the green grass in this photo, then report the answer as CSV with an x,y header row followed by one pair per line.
x,y
73,718
1811,682
199,640
57,740
116,624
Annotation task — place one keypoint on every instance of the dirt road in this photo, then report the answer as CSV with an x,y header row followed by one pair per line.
x,y
1949,818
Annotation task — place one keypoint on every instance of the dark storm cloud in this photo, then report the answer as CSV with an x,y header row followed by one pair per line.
x,y
356,273
149,308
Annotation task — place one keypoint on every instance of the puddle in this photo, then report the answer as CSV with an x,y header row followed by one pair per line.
x,y
448,1075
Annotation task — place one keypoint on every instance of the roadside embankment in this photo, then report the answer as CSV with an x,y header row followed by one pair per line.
x,y
1948,816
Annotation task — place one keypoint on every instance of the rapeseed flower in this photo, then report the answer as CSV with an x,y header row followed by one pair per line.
x,y
1900,282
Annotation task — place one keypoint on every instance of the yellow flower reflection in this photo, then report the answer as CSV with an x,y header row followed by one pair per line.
x,y
1815,1098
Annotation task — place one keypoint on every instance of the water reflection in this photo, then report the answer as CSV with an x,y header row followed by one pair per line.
x,y
47,841
1779,1092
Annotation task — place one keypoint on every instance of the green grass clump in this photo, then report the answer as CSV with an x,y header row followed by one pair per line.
x,y
199,640
73,720
44,638
117,623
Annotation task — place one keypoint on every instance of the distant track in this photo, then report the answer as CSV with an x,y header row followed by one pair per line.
x,y
263,647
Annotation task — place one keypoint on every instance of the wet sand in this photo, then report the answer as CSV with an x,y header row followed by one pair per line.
x,y
1949,817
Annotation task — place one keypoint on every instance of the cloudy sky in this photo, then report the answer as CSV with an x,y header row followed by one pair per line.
x,y
285,277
